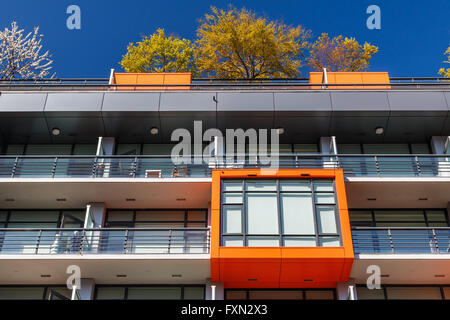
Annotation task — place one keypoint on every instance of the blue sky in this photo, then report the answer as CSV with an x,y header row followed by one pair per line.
x,y
412,40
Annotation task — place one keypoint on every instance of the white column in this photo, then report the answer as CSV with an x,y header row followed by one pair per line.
x,y
214,290
346,290
105,147
328,146
95,217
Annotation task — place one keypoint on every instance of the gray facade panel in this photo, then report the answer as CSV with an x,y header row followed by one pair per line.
x,y
74,102
417,103
348,103
22,102
131,102
188,101
245,101
303,102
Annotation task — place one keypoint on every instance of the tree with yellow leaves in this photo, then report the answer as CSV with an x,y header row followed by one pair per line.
x,y
159,53
446,72
340,54
238,44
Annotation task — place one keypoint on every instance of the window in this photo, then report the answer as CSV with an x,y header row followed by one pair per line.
x,y
59,292
187,292
399,218
274,213
384,148
395,292
280,294
51,149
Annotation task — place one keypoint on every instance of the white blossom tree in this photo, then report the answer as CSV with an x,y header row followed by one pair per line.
x,y
20,55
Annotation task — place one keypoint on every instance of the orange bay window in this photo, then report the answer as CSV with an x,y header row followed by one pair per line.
x,y
280,229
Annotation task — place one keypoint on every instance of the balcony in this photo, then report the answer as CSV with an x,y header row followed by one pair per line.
x,y
104,241
401,240
164,167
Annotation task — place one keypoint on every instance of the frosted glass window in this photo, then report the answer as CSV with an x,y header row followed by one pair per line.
x,y
110,293
232,186
326,219
413,293
232,219
233,241
302,186
17,293
365,293
319,295
232,198
297,213
261,185
154,293
299,242
263,241
262,213
324,198
329,242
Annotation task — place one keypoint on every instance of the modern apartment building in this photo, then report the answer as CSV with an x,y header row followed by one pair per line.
x,y
361,188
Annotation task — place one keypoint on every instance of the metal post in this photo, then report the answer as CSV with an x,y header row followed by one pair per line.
x,y
213,292
14,167
54,167
390,240
38,241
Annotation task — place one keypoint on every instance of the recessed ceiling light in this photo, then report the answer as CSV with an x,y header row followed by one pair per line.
x,y
308,280
379,130
46,275
10,199
181,199
423,199
61,199
384,276
439,275
176,276
121,275
253,279
130,199
279,131
371,199
56,131
154,131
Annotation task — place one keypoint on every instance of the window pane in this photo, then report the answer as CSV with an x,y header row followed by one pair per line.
x,y
232,219
386,148
157,149
3,215
194,293
299,241
326,219
349,149
110,293
420,148
49,149
232,198
260,185
64,291
15,293
446,293
263,241
233,241
120,216
34,216
413,293
84,149
197,215
360,216
297,213
275,295
324,198
128,149
365,293
399,215
329,242
295,186
15,150
154,293
319,295
262,213
232,186
159,215
235,295
320,186
436,215
306,148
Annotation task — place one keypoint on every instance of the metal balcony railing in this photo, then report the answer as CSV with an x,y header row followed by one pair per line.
x,y
205,84
401,240
166,167
105,241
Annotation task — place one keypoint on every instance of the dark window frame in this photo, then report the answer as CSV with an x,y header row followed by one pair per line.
x,y
127,286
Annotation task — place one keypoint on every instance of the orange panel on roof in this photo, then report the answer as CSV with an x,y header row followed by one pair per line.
x,y
350,78
280,267
135,79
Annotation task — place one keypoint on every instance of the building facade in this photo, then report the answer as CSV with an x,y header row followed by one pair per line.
x,y
91,188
